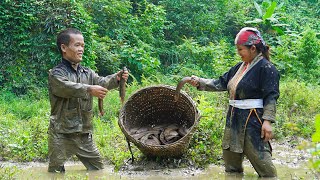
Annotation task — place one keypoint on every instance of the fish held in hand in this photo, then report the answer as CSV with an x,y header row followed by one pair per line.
x,y
100,105
122,86
179,87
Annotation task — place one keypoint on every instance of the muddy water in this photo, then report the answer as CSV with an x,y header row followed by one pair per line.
x,y
213,172
290,162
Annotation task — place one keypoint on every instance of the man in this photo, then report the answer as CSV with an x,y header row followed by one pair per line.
x,y
71,91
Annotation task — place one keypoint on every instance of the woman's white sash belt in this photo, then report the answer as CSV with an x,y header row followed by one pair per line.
x,y
247,103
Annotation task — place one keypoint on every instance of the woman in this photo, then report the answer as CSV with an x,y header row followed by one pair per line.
x,y
253,86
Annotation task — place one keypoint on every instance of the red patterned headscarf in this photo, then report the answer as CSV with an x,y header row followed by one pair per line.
x,y
248,36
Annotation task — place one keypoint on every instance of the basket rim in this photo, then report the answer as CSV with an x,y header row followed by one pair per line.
x,y
192,128
158,86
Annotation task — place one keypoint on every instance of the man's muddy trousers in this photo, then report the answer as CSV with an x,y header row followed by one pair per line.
x,y
63,146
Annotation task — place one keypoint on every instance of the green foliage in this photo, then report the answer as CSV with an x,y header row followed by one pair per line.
x,y
284,56
302,17
7,173
269,20
309,55
299,56
128,39
150,36
205,146
26,141
27,44
213,59
316,135
206,21
315,160
297,107
111,142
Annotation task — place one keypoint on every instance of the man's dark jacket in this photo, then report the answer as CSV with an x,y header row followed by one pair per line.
x,y
71,104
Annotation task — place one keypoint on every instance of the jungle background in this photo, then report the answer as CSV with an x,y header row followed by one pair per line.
x,y
160,41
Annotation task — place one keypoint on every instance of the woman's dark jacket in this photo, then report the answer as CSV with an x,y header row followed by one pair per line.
x,y
260,82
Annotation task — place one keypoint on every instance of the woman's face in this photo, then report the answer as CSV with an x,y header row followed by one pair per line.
x,y
247,54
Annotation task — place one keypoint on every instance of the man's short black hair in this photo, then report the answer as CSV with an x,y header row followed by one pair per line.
x,y
64,37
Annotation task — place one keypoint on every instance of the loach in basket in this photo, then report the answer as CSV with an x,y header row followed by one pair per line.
x,y
156,105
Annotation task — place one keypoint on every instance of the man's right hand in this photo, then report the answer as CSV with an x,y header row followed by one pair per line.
x,y
97,91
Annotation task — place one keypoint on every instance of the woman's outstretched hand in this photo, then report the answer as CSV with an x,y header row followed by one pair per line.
x,y
195,81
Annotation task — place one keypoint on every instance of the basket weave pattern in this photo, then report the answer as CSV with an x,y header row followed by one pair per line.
x,y
155,105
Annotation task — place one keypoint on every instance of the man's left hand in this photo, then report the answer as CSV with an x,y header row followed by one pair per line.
x,y
125,75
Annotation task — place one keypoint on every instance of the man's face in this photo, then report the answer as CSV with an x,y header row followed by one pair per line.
x,y
74,51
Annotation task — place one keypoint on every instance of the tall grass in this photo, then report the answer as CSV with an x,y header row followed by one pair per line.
x,y
23,124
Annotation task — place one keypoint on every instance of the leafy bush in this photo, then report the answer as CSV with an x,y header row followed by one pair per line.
x,y
300,18
297,106
205,146
299,56
134,41
213,60
9,172
309,55
315,160
27,44
151,35
270,19
23,128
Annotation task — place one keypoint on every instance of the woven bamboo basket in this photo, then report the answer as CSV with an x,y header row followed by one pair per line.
x,y
155,105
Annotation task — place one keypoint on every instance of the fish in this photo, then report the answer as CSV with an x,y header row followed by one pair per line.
x,y
133,130
151,140
170,132
138,136
183,131
142,130
158,134
122,93
100,105
159,127
179,87
174,139
122,86
169,135
162,139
